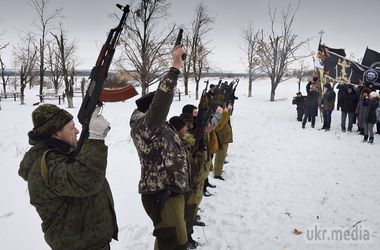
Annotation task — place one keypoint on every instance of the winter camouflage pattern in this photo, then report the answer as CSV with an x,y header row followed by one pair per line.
x,y
77,210
163,158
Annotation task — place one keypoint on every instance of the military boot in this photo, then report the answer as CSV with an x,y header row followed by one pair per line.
x,y
365,138
192,243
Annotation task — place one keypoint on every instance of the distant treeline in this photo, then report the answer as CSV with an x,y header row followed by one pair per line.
x,y
86,72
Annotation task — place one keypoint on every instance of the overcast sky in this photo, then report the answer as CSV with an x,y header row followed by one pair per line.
x,y
350,24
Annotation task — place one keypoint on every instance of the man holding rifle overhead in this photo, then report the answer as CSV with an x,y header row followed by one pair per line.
x,y
165,173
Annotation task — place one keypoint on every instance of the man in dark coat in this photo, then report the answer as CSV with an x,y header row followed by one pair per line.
x,y
341,92
348,105
299,100
165,172
70,193
311,106
327,105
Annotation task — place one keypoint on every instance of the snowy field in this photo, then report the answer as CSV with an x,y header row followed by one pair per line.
x,y
282,182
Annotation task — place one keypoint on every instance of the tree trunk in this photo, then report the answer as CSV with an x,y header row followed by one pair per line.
x,y
196,89
22,88
41,69
273,90
250,87
70,103
186,83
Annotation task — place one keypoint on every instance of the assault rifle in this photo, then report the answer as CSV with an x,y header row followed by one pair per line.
x,y
205,112
230,96
95,94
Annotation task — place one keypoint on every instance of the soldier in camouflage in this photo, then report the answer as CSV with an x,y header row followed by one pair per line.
x,y
165,174
70,194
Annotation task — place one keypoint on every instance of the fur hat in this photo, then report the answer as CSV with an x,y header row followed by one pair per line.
x,y
374,94
177,122
188,108
48,119
144,102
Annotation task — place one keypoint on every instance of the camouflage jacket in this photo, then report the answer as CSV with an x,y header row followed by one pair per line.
x,y
163,158
76,206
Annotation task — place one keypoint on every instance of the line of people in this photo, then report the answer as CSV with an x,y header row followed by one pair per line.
x,y
71,193
360,104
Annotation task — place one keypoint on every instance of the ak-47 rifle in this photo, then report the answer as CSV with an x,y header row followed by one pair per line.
x,y
231,93
95,93
205,114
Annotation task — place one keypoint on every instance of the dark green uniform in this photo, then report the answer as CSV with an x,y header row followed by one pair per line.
x,y
75,205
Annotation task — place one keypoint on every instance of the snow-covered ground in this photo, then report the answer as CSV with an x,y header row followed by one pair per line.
x,y
280,178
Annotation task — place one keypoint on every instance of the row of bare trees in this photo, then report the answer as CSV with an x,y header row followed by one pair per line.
x,y
45,47
146,49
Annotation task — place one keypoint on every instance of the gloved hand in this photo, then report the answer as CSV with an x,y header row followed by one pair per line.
x,y
98,127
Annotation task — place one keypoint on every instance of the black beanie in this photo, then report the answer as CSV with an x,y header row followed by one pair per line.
x,y
188,109
144,102
177,122
187,117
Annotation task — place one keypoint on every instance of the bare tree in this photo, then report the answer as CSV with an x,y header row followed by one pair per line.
x,y
279,49
44,24
5,79
65,53
186,42
146,48
199,50
25,56
53,65
251,43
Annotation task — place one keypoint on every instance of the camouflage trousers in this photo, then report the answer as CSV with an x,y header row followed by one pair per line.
x,y
169,223
220,156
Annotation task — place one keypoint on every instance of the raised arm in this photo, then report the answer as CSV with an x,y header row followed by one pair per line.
x,y
159,108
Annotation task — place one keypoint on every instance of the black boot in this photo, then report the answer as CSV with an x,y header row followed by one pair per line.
x,y
365,138
370,140
206,193
192,243
207,184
